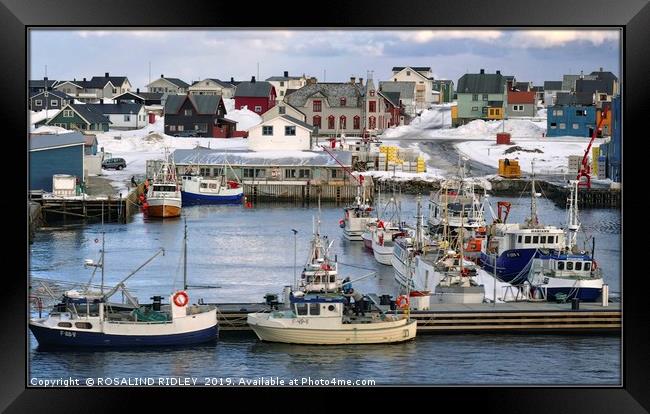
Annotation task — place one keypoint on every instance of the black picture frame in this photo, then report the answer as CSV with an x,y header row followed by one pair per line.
x,y
16,16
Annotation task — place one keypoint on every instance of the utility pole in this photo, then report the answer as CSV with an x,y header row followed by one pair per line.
x,y
258,70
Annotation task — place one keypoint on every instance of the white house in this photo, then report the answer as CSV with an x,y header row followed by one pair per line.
x,y
123,115
282,133
284,83
168,85
283,108
212,86
423,78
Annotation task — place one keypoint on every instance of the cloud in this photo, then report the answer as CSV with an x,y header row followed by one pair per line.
x,y
140,34
425,36
558,38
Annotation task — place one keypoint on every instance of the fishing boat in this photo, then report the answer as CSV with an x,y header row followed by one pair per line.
x,y
163,195
89,319
512,246
198,189
366,236
387,229
356,217
319,319
320,273
570,273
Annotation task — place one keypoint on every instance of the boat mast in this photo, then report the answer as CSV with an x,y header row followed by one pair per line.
x,y
533,203
103,248
185,256
460,238
572,215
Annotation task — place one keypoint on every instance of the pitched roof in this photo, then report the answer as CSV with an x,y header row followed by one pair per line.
x,y
178,82
127,93
118,108
58,94
41,83
298,122
538,88
521,97
221,83
578,98
43,141
481,83
606,76
87,112
393,97
415,68
149,96
405,89
204,104
282,78
332,92
100,81
253,89
522,86
591,86
552,85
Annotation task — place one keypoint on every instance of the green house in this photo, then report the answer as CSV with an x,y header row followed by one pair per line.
x,y
481,96
446,89
80,117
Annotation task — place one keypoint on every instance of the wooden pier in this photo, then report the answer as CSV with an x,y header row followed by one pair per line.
x,y
301,192
521,317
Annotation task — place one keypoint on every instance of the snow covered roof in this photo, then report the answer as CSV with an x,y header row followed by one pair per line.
x,y
253,89
405,89
46,141
333,92
205,156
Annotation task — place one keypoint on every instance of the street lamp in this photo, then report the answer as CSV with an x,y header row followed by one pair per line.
x,y
295,250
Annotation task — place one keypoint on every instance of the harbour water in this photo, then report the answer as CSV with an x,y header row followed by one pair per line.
x,y
247,253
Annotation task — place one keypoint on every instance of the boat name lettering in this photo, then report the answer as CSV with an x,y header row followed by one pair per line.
x,y
68,333
301,321
513,254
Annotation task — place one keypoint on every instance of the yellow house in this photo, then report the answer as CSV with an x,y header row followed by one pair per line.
x,y
495,113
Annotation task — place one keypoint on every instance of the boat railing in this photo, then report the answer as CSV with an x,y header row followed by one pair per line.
x,y
121,322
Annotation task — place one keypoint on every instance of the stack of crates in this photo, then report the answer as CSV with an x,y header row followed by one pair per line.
x,y
575,162
509,168
421,165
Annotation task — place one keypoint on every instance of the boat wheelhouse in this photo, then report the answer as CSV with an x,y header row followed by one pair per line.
x,y
163,195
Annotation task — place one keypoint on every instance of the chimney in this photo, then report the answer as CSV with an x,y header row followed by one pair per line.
x,y
601,69
482,71
286,73
46,87
101,101
232,80
252,79
162,76
137,91
106,75
498,72
84,79
353,79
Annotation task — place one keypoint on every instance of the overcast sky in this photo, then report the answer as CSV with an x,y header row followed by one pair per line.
x,y
530,55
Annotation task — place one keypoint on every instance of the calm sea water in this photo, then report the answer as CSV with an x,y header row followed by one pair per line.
x,y
247,253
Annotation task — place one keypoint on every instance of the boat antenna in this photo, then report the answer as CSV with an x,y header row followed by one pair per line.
x,y
101,291
185,254
572,220
460,236
533,203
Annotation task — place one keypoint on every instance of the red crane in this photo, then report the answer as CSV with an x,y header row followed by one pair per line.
x,y
585,169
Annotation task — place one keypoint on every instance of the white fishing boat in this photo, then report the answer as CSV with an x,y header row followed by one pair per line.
x,y
356,217
388,228
320,273
320,320
88,319
198,189
163,197
366,236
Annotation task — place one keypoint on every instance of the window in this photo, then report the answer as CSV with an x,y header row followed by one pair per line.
x,y
282,110
304,173
553,125
484,111
542,239
372,121
330,122
213,186
342,122
67,114
603,97
267,130
281,93
474,97
83,325
181,127
281,83
491,111
535,239
187,112
38,102
65,324
301,308
518,108
578,265
581,112
372,106
356,122
562,125
314,309
485,97
258,109
560,265
408,73
518,239
316,121
254,173
342,101
569,265
289,173
474,108
317,106
334,174
203,186
587,266
372,93
576,126
290,130
527,239
127,118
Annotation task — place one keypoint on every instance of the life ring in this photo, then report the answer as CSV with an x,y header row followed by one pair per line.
x,y
402,302
342,223
380,224
181,299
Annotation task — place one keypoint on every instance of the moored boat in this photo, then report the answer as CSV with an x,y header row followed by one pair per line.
x,y
198,189
163,195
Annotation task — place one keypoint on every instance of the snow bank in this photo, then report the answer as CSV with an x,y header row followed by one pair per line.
x,y
46,129
35,117
245,118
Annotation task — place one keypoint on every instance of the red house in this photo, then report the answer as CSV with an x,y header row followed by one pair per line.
x,y
259,97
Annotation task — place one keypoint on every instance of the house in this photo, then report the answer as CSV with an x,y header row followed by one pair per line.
x,y
394,113
406,92
49,100
197,115
37,86
378,114
573,114
282,133
98,87
129,97
551,89
211,86
283,108
332,107
123,116
523,86
259,97
446,89
90,144
82,117
51,154
610,80
603,86
521,103
481,96
539,93
75,89
611,150
282,83
168,85
423,79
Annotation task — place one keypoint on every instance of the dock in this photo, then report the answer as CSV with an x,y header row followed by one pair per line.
x,y
509,317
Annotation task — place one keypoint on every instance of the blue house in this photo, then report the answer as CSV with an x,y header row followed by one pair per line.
x,y
51,154
572,114
612,149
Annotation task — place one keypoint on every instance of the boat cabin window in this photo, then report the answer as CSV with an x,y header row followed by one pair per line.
x,y
578,265
332,278
588,266
331,308
314,308
65,324
519,239
542,239
83,325
213,186
169,188
301,308
560,265
569,265
535,239
527,239
204,185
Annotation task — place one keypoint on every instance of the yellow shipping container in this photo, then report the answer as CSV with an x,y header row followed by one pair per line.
x,y
595,153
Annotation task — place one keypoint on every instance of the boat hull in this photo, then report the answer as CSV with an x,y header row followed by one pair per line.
x,y
164,207
53,337
584,294
367,240
194,198
458,295
383,254
511,264
400,333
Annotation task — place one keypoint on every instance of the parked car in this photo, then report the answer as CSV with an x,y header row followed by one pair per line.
x,y
117,163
